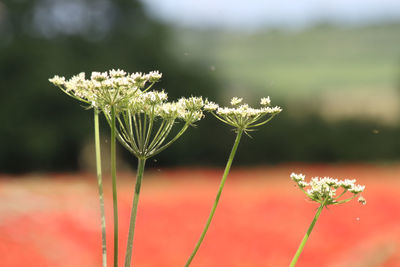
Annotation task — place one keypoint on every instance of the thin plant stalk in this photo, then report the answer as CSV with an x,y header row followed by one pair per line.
x,y
100,186
225,175
132,223
305,238
114,183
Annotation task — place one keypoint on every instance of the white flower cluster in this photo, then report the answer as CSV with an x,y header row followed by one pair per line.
x,y
325,189
154,103
149,119
236,101
192,108
265,101
105,88
145,118
243,116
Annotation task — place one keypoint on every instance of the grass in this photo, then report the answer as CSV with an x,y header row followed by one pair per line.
x,y
52,219
299,64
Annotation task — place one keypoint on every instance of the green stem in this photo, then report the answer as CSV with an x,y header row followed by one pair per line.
x,y
129,246
114,184
344,192
303,242
100,185
226,172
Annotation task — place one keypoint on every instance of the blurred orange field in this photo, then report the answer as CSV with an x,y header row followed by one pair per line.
x,y
53,219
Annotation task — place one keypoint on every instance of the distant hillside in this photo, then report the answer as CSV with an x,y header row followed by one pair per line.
x,y
357,64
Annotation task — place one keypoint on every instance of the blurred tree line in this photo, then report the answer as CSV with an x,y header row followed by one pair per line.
x,y
42,129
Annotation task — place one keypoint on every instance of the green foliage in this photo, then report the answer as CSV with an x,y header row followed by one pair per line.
x,y
301,63
311,139
288,139
43,129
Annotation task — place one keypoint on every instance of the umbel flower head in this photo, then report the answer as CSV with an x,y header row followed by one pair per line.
x,y
325,190
105,89
242,116
144,126
144,118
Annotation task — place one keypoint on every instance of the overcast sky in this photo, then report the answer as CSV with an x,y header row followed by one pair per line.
x,y
264,13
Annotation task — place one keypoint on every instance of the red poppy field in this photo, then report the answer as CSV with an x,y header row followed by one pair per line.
x,y
53,219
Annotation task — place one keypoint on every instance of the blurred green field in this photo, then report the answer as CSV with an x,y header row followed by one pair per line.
x,y
300,63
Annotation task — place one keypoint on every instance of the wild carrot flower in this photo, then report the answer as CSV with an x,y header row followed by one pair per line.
x,y
244,119
144,128
112,93
105,89
148,119
326,191
141,119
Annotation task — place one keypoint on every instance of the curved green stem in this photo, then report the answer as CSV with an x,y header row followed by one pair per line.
x,y
114,184
129,246
344,192
100,185
305,238
159,149
226,172
345,200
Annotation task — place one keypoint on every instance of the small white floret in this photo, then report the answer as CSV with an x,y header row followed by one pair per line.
x,y
265,101
236,101
117,73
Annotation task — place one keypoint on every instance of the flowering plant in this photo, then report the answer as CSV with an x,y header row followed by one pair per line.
x,y
325,192
143,128
143,121
140,119
244,119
